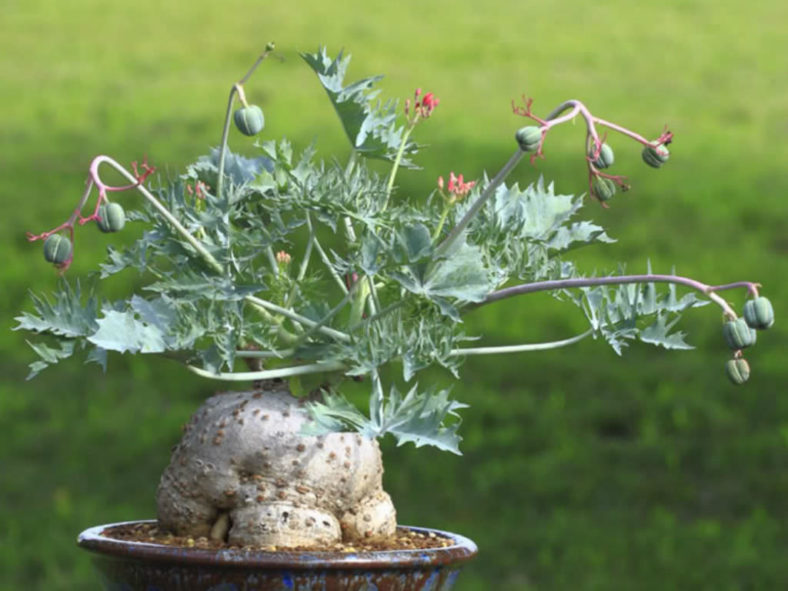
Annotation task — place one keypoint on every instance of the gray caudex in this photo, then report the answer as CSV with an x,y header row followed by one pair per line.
x,y
244,473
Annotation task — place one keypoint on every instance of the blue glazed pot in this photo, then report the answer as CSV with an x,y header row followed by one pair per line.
x,y
140,566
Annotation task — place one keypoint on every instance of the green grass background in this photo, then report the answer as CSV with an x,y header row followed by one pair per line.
x,y
581,470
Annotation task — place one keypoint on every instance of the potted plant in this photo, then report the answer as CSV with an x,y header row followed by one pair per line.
x,y
299,277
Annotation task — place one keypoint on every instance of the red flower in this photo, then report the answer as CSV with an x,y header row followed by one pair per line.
x,y
423,106
429,101
458,188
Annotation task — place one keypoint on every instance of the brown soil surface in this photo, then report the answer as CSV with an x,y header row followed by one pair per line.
x,y
403,540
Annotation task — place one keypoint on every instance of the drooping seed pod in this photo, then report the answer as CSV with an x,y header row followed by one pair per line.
x,y
57,249
738,370
112,218
603,188
738,334
655,157
528,138
249,120
605,158
758,313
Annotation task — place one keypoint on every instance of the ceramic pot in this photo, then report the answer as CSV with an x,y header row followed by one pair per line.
x,y
141,566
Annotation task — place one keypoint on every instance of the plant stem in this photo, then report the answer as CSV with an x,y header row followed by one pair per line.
x,y
489,190
444,214
376,401
269,253
307,255
303,267
553,119
207,256
520,348
351,233
268,374
325,259
303,320
373,303
708,290
237,87
275,354
320,324
378,315
395,166
223,144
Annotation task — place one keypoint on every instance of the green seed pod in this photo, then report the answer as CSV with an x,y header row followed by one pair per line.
x,y
606,157
737,334
655,157
249,120
57,249
758,313
528,138
112,218
603,189
738,370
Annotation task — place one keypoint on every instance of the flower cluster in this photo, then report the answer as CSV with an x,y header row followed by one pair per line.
x,y
199,190
423,106
458,187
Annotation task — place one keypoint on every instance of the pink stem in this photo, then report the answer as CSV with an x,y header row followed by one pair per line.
x,y
591,122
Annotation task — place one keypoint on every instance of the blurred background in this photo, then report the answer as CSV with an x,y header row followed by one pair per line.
x,y
581,470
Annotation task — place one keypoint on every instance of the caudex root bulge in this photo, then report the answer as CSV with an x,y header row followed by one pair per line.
x,y
244,473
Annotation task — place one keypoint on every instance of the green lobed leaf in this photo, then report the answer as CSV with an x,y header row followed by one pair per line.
x,y
370,126
421,418
461,276
522,232
124,331
49,355
63,314
637,311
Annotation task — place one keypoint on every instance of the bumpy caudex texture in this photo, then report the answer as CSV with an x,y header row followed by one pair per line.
x,y
243,473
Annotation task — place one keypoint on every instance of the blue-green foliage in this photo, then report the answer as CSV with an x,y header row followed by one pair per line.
x,y
688,492
418,283
371,126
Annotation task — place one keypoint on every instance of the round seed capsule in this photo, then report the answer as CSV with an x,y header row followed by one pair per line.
x,y
57,249
249,120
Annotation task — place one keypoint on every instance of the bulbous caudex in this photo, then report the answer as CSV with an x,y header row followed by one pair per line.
x,y
244,473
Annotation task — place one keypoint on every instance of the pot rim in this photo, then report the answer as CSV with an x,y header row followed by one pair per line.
x,y
462,550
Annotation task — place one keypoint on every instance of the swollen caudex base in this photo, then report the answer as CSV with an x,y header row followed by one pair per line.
x,y
242,472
